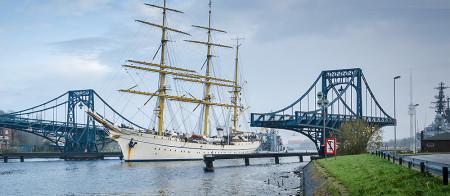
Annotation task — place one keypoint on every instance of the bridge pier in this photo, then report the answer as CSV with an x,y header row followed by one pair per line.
x,y
301,158
5,159
277,160
22,159
208,159
247,161
322,150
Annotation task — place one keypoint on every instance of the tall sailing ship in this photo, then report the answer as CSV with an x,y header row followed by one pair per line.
x,y
141,145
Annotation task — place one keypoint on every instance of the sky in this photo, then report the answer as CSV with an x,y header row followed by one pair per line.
x,y
48,47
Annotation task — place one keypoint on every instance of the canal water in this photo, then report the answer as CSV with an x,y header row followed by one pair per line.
x,y
115,177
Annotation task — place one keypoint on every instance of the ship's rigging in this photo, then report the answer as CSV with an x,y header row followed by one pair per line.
x,y
181,74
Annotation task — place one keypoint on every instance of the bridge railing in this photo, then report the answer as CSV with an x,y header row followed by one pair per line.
x,y
313,116
271,117
422,165
41,122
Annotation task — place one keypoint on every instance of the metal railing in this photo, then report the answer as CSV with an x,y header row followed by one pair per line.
x,y
423,165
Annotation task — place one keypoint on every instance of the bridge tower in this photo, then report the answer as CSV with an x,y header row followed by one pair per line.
x,y
82,140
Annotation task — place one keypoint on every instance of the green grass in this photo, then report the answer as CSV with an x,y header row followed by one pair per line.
x,y
371,175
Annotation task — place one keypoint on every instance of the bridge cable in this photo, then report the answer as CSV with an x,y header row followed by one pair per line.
x,y
38,105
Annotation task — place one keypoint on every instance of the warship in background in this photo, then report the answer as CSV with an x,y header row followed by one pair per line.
x,y
441,123
271,141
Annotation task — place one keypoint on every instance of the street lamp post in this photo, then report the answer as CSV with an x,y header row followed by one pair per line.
x,y
415,129
323,103
324,136
395,126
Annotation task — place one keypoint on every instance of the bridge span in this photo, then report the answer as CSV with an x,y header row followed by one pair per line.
x,y
64,123
350,99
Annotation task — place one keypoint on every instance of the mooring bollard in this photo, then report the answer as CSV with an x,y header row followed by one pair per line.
x,y
400,161
22,159
247,161
409,164
445,175
277,160
422,167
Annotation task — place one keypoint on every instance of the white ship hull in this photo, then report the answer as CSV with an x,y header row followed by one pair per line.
x,y
148,147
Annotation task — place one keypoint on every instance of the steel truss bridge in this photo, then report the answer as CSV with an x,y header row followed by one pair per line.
x,y
350,99
64,123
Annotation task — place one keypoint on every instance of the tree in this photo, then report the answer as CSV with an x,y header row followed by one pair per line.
x,y
355,137
18,138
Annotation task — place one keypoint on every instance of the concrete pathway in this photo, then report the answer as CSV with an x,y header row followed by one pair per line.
x,y
439,158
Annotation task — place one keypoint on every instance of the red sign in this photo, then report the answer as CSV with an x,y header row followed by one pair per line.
x,y
330,146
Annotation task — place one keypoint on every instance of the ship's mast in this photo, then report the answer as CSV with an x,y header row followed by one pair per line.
x,y
207,82
208,63
183,74
440,102
236,88
162,75
162,66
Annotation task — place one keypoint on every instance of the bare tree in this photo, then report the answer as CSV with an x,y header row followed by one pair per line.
x,y
356,137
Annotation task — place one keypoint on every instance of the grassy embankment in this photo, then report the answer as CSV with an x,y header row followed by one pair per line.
x,y
371,175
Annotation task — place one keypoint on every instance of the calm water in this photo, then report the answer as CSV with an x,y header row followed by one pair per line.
x,y
115,177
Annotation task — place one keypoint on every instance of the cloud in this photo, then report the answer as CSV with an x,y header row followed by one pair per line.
x,y
88,47
77,66
141,9
89,5
65,7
